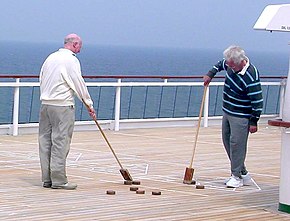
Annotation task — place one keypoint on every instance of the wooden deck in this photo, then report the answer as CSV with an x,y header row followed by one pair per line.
x,y
156,157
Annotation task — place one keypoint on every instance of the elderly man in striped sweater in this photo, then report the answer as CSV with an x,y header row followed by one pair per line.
x,y
242,107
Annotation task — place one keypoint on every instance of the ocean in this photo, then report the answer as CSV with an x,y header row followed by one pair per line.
x,y
19,58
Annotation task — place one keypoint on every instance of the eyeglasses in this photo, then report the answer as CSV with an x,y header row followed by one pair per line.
x,y
231,64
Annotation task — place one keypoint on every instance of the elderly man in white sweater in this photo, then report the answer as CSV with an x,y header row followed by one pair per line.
x,y
60,80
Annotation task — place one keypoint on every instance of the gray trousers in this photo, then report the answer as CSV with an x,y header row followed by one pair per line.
x,y
235,133
56,126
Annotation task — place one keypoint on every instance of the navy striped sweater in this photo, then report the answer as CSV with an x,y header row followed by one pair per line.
x,y
242,94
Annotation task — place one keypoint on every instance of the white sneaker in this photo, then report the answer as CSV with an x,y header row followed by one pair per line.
x,y
235,182
247,179
227,180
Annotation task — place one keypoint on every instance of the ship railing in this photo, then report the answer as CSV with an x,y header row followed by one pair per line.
x,y
119,83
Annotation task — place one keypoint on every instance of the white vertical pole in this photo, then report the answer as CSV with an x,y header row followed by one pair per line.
x,y
205,108
284,192
117,106
16,109
282,97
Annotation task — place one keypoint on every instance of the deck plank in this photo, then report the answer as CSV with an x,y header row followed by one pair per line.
x,y
156,157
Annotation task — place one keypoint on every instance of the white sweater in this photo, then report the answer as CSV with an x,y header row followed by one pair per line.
x,y
60,79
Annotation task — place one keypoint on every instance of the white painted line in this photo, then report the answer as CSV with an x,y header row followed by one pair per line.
x,y
82,177
224,188
152,137
129,157
164,179
20,142
146,169
79,156
20,167
109,181
256,184
265,175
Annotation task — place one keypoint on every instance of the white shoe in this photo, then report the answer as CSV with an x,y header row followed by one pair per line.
x,y
235,182
227,180
247,179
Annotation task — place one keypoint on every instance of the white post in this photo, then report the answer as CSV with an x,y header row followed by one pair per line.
x,y
276,18
205,109
282,97
16,109
117,106
284,192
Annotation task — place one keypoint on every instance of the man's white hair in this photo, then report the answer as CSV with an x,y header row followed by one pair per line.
x,y
235,54
71,38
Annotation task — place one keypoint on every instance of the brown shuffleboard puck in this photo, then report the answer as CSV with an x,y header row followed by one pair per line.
x,y
156,193
199,186
136,182
140,191
111,192
133,188
128,182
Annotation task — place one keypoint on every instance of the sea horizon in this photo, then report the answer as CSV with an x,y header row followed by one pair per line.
x,y
26,58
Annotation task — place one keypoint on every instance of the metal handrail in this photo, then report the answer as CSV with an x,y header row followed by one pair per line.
x,y
13,76
119,84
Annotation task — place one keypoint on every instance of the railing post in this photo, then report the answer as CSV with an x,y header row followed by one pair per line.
x,y
282,97
117,106
205,109
16,109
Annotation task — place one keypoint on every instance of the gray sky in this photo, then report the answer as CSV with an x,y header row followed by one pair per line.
x,y
150,23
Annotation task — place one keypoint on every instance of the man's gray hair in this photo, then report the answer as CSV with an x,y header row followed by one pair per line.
x,y
71,40
235,53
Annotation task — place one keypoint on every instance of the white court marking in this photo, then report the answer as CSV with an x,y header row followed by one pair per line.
x,y
19,142
152,137
140,169
79,156
146,170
